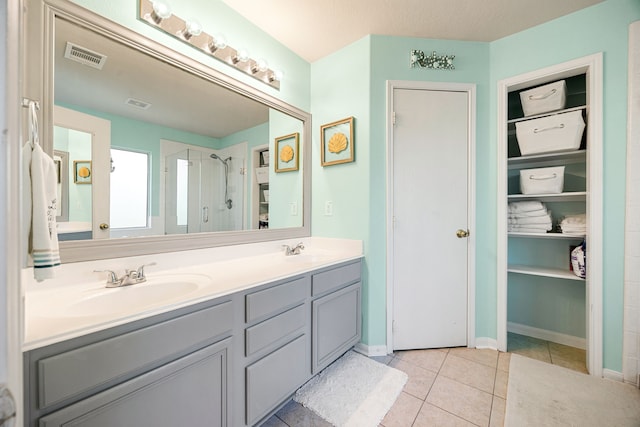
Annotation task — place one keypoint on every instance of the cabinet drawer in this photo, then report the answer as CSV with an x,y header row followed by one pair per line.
x,y
275,329
275,377
333,279
67,374
191,391
275,299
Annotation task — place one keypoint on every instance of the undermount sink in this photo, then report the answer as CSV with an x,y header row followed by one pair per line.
x,y
155,291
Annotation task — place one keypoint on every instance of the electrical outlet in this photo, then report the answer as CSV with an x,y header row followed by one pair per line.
x,y
328,208
293,208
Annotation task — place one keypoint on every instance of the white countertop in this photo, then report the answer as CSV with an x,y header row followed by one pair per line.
x,y
77,303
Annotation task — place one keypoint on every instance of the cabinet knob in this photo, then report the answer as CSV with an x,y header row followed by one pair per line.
x,y
104,226
462,233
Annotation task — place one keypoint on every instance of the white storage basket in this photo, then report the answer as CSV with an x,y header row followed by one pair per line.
x,y
262,175
545,98
542,180
560,132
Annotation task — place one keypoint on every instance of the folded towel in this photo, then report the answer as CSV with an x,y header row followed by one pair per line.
x,y
540,212
574,230
528,230
580,219
530,220
40,208
525,206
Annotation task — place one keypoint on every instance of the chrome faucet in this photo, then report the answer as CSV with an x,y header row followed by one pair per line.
x,y
130,277
288,250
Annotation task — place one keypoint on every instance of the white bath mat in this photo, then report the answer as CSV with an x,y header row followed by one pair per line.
x,y
355,391
541,394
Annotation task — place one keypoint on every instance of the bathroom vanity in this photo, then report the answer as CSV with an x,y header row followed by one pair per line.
x,y
232,360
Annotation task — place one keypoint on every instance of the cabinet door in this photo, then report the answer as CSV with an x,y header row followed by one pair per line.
x,y
336,325
275,377
191,391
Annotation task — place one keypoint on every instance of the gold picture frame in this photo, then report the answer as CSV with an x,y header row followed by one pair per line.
x,y
337,143
82,171
287,153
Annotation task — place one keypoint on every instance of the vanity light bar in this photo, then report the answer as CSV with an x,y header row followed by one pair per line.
x,y
190,32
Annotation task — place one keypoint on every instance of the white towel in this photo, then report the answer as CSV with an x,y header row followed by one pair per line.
x,y
530,220
545,227
40,207
539,212
525,206
580,219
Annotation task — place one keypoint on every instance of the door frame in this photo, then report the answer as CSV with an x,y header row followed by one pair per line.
x,y
470,90
592,66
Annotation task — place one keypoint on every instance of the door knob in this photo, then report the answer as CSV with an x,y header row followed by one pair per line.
x,y
462,233
104,226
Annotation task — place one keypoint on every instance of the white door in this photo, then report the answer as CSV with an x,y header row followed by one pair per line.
x,y
98,132
430,198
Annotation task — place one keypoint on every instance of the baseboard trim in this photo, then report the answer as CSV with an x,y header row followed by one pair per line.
x,y
612,375
547,335
371,350
486,343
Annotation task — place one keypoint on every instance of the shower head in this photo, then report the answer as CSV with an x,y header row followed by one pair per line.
x,y
215,156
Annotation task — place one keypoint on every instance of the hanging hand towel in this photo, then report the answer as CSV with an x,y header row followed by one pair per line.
x,y
40,208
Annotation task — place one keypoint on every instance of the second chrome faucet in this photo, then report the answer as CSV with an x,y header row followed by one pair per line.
x,y
288,250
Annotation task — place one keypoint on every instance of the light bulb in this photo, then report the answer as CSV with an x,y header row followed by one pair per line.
x,y
276,76
260,65
191,28
217,42
242,55
161,10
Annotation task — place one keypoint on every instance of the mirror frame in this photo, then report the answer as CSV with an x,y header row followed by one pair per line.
x,y
39,69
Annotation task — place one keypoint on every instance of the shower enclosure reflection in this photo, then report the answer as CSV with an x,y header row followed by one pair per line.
x,y
204,189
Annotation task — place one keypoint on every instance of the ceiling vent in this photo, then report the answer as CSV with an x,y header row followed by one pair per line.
x,y
137,103
85,56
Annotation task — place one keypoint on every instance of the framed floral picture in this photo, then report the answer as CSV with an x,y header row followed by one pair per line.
x,y
287,153
337,142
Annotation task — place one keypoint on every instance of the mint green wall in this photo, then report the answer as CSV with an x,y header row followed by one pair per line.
x,y
145,137
340,88
600,28
216,17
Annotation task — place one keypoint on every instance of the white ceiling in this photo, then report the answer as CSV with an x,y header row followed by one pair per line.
x,y
316,28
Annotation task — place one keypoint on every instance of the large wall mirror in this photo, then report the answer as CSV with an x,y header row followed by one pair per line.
x,y
156,151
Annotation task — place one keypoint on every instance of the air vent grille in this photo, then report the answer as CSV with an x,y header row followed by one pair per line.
x,y
143,105
84,56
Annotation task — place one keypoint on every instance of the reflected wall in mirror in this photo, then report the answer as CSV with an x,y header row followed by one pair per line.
x,y
179,151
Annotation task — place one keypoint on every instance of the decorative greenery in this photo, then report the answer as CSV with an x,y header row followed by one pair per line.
x,y
433,61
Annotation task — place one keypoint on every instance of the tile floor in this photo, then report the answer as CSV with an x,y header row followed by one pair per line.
x,y
449,387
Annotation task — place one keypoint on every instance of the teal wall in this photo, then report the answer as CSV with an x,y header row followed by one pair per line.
x,y
600,28
340,88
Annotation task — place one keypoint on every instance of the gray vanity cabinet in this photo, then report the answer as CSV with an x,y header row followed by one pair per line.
x,y
232,361
142,369
336,313
191,391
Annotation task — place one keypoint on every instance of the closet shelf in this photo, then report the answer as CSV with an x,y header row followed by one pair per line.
x,y
547,235
548,159
544,272
577,196
553,113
